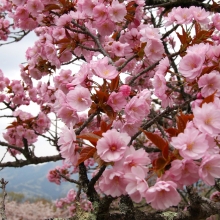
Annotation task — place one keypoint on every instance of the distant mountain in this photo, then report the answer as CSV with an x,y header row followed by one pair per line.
x,y
32,181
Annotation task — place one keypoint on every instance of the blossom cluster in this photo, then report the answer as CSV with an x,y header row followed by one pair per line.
x,y
31,211
133,79
71,202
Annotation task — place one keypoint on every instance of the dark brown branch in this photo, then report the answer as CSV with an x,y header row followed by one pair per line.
x,y
91,192
4,194
11,146
34,160
169,4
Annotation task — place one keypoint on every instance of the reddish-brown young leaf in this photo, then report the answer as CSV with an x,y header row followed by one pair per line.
x,y
93,108
184,37
67,34
158,165
101,96
115,35
156,139
85,154
141,52
109,111
209,69
98,132
98,160
208,99
165,151
197,27
13,124
104,126
202,36
182,120
131,8
92,138
114,83
173,132
51,7
63,2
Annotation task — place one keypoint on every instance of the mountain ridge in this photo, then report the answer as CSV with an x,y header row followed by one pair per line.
x,y
33,183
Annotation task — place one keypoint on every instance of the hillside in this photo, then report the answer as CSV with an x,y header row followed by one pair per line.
x,y
32,181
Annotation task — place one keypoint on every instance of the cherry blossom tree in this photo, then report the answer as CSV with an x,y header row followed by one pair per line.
x,y
139,121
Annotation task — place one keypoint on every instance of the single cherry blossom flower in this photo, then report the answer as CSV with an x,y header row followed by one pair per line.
x,y
79,98
103,69
112,146
210,83
68,148
210,169
207,119
192,144
191,65
163,195
117,11
113,182
137,185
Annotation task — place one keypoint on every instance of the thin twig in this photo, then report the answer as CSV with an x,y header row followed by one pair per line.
x,y
67,178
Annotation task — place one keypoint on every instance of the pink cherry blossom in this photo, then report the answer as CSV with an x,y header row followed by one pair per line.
x,y
183,15
191,144
183,172
71,195
125,89
68,115
215,196
117,101
113,182
134,158
191,65
136,109
137,185
81,76
104,70
112,146
100,13
131,127
210,169
149,33
117,11
79,98
179,15
132,37
163,195
216,21
200,14
209,83
159,84
63,20
154,50
118,48
35,6
68,145
87,6
106,27
207,119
